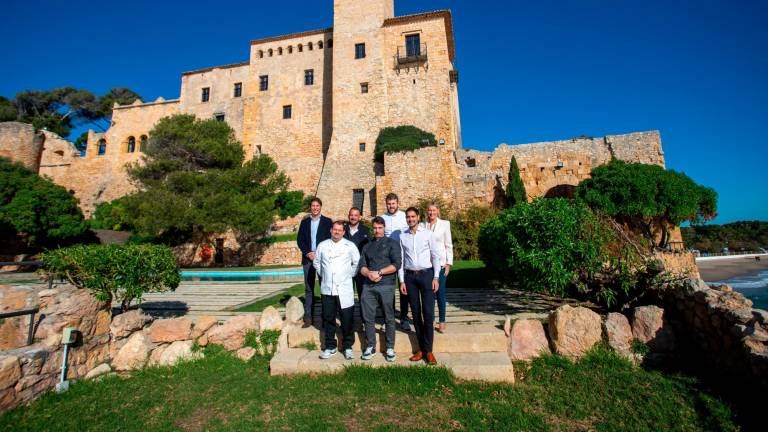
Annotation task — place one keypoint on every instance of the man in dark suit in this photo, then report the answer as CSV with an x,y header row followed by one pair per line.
x,y
358,234
312,230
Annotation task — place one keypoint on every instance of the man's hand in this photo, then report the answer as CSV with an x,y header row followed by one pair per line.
x,y
311,256
403,289
374,276
446,269
435,285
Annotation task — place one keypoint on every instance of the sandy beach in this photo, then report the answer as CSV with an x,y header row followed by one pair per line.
x,y
721,269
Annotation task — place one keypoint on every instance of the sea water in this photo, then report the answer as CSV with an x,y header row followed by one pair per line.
x,y
754,286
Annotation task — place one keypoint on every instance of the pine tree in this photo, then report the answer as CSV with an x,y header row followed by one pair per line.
x,y
515,189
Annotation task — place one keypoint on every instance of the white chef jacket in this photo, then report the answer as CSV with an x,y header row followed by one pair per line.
x,y
336,264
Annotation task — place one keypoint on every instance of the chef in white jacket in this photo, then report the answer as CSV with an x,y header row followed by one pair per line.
x,y
336,264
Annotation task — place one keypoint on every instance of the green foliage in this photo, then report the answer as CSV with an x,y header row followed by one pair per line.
x,y
289,203
44,213
309,346
515,192
81,143
736,236
647,196
61,109
465,231
264,342
193,179
638,347
401,138
277,300
115,273
111,216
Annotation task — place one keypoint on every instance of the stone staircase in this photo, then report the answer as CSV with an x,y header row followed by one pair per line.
x,y
475,351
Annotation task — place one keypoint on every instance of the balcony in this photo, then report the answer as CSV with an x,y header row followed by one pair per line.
x,y
412,54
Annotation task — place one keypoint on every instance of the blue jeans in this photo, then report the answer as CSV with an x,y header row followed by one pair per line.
x,y
441,296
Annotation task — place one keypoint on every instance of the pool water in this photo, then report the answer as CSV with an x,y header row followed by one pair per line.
x,y
240,276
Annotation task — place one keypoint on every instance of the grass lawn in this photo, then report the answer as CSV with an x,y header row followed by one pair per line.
x,y
467,274
221,393
276,300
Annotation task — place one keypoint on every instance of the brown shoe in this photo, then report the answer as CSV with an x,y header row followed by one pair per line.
x,y
416,357
431,360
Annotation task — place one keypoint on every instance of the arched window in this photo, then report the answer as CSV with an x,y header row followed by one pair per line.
x,y
330,43
102,146
309,45
280,51
290,49
261,53
131,144
143,143
301,47
269,51
320,45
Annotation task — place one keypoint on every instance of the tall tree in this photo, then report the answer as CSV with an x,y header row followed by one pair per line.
x,y
515,189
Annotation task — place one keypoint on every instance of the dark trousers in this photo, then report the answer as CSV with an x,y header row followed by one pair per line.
x,y
404,302
331,308
309,289
419,286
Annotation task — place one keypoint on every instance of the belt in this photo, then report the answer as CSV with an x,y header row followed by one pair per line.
x,y
418,271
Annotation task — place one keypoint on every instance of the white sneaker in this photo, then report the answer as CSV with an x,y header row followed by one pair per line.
x,y
368,353
328,353
390,355
348,354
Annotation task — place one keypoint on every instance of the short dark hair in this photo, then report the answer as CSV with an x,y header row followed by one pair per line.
x,y
379,221
316,200
356,208
338,222
391,196
412,209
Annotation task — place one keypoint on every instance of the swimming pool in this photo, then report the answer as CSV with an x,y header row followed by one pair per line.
x,y
238,276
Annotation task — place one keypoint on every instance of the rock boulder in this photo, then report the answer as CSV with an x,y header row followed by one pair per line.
x,y
170,330
231,334
574,331
270,319
527,340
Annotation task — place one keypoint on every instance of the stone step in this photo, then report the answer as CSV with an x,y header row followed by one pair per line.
x,y
483,366
473,338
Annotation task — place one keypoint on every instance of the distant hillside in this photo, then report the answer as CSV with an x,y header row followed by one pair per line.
x,y
736,236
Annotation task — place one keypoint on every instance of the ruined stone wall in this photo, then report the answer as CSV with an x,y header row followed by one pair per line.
x,y
221,82
479,177
296,143
19,142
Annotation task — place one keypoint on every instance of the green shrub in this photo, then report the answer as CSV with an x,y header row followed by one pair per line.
x,y
264,342
515,192
115,273
289,203
465,231
44,213
111,216
401,138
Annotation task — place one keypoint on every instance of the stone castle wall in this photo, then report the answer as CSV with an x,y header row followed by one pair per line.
x,y
19,142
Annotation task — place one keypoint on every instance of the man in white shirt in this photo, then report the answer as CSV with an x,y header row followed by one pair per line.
x,y
441,230
395,225
336,263
419,276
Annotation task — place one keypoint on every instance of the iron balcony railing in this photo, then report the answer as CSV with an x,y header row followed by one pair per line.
x,y
412,54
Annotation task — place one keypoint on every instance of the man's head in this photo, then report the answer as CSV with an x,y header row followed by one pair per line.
x,y
412,217
378,226
354,216
315,206
392,203
433,211
337,230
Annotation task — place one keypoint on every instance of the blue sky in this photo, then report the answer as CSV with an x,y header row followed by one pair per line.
x,y
529,71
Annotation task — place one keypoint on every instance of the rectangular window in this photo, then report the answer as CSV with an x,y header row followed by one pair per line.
x,y
238,89
413,45
219,117
358,198
362,147
206,94
309,77
359,50
287,111
363,87
263,82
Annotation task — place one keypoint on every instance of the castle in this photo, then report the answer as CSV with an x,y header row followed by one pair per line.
x,y
315,102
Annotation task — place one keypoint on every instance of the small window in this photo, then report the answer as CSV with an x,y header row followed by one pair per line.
x,y
359,50
363,87
320,45
206,95
358,198
287,111
309,77
102,147
131,144
290,49
269,52
362,147
301,47
258,147
330,43
413,45
219,117
280,51
143,143
261,53
264,82
238,89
